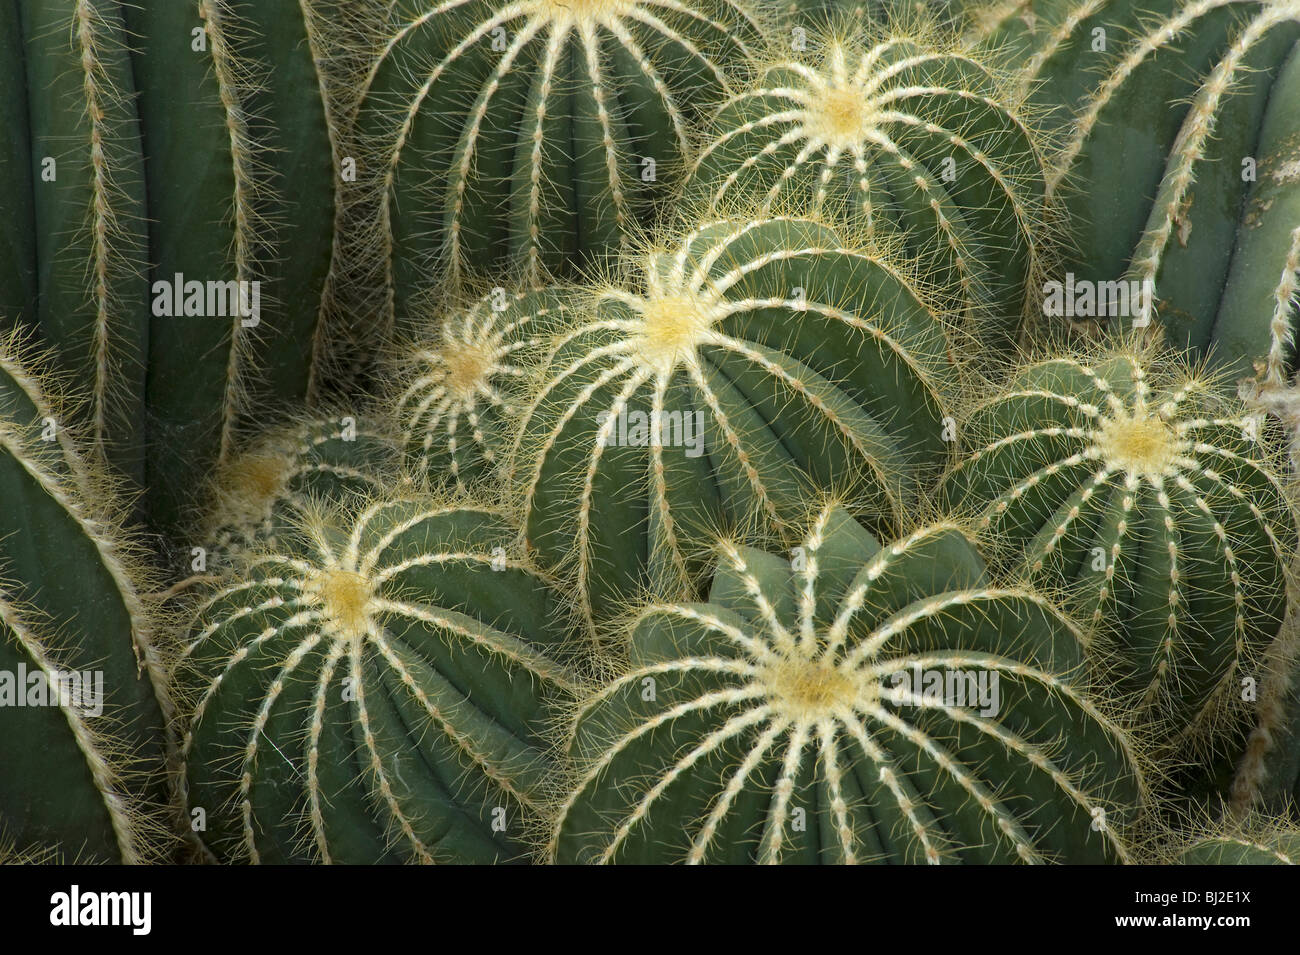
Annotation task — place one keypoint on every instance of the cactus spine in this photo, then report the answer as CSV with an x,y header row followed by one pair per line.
x,y
789,697
748,363
374,691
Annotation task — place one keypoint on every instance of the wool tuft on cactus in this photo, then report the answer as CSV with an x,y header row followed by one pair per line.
x,y
809,713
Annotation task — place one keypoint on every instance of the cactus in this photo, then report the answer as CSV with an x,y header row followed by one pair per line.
x,y
905,135
749,363
460,390
147,146
1181,166
1256,841
319,459
83,761
1129,480
532,136
375,690
788,720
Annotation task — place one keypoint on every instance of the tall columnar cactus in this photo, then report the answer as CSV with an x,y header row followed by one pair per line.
x,y
336,460
1181,164
82,697
74,210
1133,484
747,363
463,384
375,691
534,135
808,713
906,136
154,171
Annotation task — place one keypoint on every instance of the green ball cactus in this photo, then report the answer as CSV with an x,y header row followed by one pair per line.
x,y
906,136
1180,165
748,363
1130,482
792,719
331,459
460,390
83,698
375,691
536,135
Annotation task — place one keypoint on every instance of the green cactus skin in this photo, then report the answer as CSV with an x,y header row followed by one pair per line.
x,y
217,220
777,702
332,460
1131,483
92,784
908,137
514,136
1277,845
1152,171
74,208
461,390
841,385
375,693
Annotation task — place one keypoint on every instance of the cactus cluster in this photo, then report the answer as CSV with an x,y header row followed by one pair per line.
x,y
649,431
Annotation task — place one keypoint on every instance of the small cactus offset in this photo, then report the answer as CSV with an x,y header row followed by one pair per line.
x,y
461,390
906,135
1181,162
745,364
791,719
1128,481
375,691
83,698
533,136
337,459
